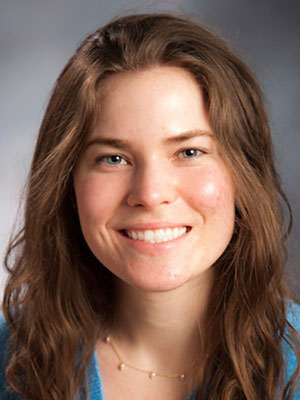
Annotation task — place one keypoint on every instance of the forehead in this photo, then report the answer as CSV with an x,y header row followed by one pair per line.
x,y
156,100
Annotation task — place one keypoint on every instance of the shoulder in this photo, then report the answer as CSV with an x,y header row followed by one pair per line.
x,y
4,336
293,317
4,331
5,393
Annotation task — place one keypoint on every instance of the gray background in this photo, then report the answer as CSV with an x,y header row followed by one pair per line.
x,y
38,37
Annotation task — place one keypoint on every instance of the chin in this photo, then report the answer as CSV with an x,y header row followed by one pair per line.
x,y
158,283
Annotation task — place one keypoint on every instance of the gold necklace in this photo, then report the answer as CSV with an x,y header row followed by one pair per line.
x,y
151,374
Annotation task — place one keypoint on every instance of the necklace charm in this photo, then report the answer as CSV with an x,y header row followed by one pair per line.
x,y
151,374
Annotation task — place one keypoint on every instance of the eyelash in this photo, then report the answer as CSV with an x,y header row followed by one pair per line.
x,y
104,159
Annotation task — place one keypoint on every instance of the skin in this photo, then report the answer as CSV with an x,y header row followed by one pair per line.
x,y
154,181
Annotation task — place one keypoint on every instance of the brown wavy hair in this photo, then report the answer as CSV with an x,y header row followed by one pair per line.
x,y
59,299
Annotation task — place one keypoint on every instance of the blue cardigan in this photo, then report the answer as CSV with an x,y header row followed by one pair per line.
x,y
96,391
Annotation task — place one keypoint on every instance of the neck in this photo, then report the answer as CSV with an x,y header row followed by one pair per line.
x,y
160,329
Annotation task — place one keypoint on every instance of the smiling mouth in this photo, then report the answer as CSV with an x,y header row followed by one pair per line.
x,y
156,235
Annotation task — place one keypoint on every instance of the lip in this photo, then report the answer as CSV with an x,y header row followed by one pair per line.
x,y
142,226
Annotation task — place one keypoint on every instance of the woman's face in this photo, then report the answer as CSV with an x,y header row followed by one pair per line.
x,y
155,199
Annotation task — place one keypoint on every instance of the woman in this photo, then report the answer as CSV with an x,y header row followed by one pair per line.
x,y
153,247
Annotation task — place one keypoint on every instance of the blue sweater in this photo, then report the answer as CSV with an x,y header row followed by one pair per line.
x,y
96,392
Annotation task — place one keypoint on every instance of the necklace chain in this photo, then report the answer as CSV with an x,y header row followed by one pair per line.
x,y
151,374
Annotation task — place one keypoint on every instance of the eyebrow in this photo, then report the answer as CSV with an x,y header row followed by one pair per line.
x,y
182,137
125,144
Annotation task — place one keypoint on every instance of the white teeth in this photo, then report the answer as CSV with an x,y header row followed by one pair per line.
x,y
157,235
134,235
149,236
140,235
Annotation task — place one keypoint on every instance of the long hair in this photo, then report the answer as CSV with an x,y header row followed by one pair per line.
x,y
59,298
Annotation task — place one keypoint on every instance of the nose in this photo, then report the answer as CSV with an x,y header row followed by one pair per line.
x,y
152,186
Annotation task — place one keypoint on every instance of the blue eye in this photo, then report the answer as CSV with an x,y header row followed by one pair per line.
x,y
114,159
191,153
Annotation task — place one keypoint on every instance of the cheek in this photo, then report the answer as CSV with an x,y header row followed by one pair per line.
x,y
210,189
96,197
